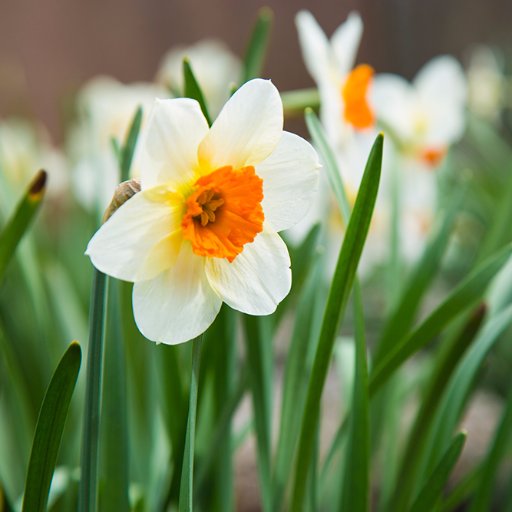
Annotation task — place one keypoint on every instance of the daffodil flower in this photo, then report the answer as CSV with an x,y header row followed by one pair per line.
x,y
344,89
203,229
427,115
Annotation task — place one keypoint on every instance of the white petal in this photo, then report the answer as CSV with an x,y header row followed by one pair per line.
x,y
168,148
257,280
442,79
178,304
393,99
316,50
345,42
290,176
248,127
136,242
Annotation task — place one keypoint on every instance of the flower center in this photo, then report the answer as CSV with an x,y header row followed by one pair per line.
x,y
354,92
433,156
224,212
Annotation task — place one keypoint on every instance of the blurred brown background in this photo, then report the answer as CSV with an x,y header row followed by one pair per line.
x,y
49,47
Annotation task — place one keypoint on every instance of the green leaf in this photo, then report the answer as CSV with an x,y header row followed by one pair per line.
x,y
260,356
400,321
341,286
431,491
294,102
187,472
461,382
497,452
115,445
297,368
452,352
356,479
465,295
355,493
193,89
88,491
257,47
20,221
50,426
126,155
462,490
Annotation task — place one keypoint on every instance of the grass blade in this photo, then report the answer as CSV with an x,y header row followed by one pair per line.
x,y
193,89
400,321
126,155
18,224
355,493
447,361
187,472
338,296
482,499
431,492
460,385
464,296
260,355
88,491
50,426
257,47
115,452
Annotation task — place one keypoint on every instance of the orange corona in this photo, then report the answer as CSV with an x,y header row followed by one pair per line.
x,y
224,212
354,93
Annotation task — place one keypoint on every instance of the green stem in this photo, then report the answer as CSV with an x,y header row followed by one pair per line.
x,y
187,473
88,500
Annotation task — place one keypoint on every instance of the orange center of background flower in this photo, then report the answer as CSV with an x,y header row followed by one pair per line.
x,y
224,212
433,156
354,93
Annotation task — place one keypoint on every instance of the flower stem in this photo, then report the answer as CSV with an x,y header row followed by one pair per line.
x,y
187,473
88,501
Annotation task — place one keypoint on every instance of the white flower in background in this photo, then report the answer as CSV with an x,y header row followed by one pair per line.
x,y
486,83
424,118
25,148
427,115
344,89
348,119
203,229
215,67
106,108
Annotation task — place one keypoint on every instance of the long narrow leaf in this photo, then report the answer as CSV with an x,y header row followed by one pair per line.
x,y
259,354
129,146
18,224
482,500
193,89
88,492
187,472
257,47
355,493
434,389
463,297
50,426
431,491
341,286
115,452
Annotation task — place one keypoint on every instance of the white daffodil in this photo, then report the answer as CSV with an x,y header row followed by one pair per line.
x,y
427,115
106,109
344,89
348,119
215,67
423,118
203,229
